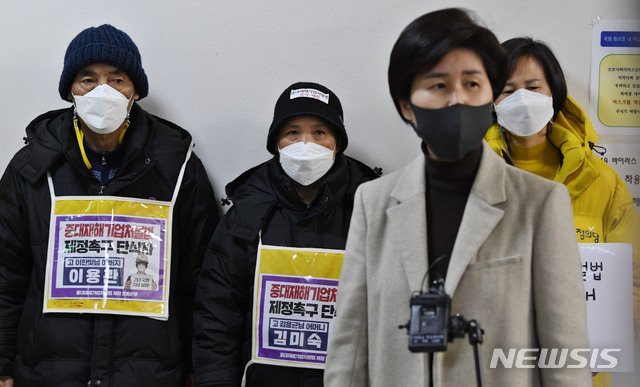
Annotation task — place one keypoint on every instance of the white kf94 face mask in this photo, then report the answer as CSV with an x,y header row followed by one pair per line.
x,y
103,109
306,163
525,112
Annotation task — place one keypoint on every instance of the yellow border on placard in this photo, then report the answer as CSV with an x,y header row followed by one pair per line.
x,y
79,305
318,263
93,206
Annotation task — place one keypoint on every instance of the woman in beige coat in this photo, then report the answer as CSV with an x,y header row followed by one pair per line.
x,y
500,238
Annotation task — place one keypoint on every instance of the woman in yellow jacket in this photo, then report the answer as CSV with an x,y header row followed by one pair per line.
x,y
542,130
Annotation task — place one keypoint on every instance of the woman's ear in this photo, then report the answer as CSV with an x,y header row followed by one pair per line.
x,y
407,113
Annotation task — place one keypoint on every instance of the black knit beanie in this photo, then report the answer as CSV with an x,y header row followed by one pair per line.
x,y
306,98
104,44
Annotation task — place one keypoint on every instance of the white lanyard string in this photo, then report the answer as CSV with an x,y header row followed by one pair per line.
x,y
175,191
181,175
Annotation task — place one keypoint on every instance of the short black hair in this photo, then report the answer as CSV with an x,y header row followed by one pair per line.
x,y
525,46
426,40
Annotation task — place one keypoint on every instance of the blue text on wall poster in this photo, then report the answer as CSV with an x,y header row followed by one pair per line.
x,y
620,39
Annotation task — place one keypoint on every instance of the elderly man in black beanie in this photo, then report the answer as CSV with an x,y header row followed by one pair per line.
x,y
98,184
274,333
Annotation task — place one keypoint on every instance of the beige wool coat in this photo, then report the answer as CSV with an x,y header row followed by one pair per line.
x,y
515,268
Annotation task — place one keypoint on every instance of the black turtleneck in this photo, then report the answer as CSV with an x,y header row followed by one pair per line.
x,y
447,190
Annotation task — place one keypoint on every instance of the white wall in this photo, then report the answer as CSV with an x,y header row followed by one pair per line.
x,y
217,67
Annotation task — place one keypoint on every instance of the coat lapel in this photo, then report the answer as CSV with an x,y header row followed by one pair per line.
x,y
408,224
480,215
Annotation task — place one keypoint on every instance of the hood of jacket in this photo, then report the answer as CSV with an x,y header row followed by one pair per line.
x,y
573,134
260,189
51,136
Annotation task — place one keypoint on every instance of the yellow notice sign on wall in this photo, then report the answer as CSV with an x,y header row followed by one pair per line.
x,y
619,91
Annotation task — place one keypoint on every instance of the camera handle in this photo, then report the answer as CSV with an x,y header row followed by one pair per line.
x,y
460,326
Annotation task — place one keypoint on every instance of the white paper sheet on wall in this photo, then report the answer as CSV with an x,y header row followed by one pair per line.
x,y
624,158
608,283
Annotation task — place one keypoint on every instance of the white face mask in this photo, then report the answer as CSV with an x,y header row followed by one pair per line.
x,y
525,112
142,268
306,163
103,109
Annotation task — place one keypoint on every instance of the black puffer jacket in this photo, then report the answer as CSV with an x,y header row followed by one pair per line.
x,y
60,349
264,199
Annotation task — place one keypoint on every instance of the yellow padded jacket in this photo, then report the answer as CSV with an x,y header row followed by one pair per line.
x,y
603,210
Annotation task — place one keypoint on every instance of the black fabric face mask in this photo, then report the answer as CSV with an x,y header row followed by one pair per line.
x,y
454,131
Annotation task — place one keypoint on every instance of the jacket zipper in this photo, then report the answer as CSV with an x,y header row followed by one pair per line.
x,y
104,162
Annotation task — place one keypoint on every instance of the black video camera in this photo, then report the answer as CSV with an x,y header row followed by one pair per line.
x,y
431,326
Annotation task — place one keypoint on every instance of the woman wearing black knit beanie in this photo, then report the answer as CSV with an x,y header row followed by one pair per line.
x,y
266,292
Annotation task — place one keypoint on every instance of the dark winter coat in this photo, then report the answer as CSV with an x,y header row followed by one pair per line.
x,y
264,199
61,349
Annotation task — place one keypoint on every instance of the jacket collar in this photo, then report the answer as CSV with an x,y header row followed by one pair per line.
x,y
46,139
150,142
573,134
408,225
260,189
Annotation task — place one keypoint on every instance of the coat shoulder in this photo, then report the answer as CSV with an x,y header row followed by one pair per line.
x,y
528,184
380,190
